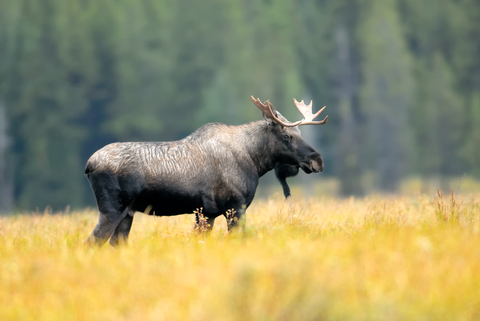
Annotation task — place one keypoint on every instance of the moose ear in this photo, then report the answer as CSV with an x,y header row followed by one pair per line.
x,y
274,111
272,122
268,118
269,113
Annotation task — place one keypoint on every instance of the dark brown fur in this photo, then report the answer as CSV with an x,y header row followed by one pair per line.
x,y
216,168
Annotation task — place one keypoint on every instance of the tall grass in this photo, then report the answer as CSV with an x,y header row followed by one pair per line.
x,y
378,258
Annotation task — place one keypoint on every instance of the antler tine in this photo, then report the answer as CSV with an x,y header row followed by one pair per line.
x,y
308,116
267,110
261,105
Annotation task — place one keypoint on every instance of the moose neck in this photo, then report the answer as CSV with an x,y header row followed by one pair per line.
x,y
260,146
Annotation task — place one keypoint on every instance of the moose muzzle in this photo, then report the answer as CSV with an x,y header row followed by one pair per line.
x,y
314,165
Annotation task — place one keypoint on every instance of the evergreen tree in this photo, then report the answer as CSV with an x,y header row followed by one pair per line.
x,y
443,36
387,92
446,116
470,151
350,134
6,197
78,74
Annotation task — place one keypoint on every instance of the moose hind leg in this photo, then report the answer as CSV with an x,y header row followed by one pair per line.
x,y
107,222
120,235
236,218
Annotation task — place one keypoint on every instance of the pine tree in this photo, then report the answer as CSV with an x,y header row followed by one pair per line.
x,y
6,197
386,93
350,135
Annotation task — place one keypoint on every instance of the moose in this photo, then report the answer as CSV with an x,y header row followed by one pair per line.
x,y
216,168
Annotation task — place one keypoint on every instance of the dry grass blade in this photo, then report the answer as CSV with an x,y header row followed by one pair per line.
x,y
329,259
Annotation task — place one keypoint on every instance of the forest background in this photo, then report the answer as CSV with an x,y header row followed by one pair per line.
x,y
400,79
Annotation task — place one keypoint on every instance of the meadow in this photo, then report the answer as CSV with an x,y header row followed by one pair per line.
x,y
374,258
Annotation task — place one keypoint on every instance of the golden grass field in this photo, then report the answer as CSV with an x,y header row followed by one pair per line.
x,y
377,258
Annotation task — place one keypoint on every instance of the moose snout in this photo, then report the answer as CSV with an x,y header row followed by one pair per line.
x,y
317,165
314,164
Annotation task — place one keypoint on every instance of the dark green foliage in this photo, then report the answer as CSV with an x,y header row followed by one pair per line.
x,y
400,78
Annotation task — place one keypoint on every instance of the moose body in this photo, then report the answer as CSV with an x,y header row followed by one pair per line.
x,y
216,168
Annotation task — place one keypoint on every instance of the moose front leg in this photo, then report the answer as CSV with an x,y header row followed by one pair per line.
x,y
205,216
236,218
203,223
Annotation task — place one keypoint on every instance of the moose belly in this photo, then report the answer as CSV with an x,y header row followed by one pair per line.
x,y
166,202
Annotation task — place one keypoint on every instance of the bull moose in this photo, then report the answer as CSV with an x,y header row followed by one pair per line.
x,y
216,168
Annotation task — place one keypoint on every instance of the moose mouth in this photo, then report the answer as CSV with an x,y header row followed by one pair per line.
x,y
313,167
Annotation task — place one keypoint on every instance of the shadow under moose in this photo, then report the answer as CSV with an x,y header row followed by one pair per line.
x,y
216,168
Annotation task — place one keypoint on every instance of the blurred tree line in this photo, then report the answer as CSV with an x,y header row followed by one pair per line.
x,y
400,78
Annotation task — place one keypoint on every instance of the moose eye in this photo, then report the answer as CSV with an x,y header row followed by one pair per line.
x,y
286,137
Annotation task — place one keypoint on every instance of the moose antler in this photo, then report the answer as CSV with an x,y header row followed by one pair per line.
x,y
306,111
267,110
